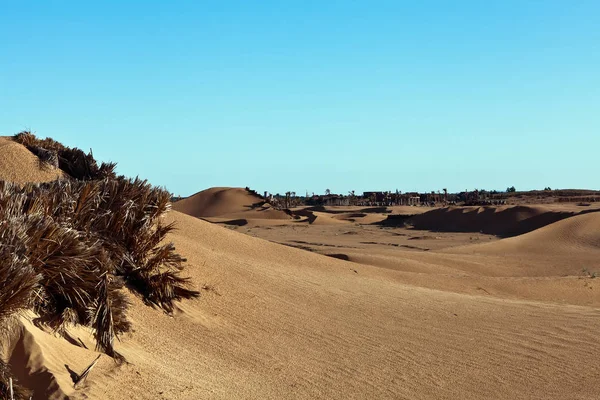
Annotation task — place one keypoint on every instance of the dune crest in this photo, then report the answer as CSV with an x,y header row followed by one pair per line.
x,y
19,165
494,220
228,203
566,247
398,316
278,322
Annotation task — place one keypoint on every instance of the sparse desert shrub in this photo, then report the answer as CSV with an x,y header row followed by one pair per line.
x,y
17,284
254,193
19,279
19,392
70,246
72,161
47,157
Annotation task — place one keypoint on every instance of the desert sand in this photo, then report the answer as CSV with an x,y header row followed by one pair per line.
x,y
19,165
340,304
228,204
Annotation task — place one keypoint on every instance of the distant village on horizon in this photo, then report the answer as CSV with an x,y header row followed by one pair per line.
x,y
476,197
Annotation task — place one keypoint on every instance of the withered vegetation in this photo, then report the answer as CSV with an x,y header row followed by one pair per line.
x,y
73,161
69,247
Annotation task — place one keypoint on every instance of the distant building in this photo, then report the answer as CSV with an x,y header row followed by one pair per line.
x,y
327,200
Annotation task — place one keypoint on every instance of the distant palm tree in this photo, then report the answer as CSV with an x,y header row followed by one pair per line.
x,y
352,198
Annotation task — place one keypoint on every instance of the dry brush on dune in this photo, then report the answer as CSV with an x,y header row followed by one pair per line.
x,y
69,247
75,162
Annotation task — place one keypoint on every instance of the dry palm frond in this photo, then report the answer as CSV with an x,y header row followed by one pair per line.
x,y
83,376
73,161
27,139
69,246
48,158
9,387
162,289
104,313
19,279
107,170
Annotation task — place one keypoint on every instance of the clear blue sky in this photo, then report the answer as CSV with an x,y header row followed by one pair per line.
x,y
308,95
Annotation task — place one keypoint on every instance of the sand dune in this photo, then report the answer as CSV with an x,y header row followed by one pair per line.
x,y
449,261
229,203
39,359
337,215
278,322
322,218
495,220
559,249
512,318
578,233
360,218
19,165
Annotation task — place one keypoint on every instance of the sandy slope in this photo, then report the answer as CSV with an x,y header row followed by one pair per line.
x,y
495,220
550,269
41,360
230,203
279,322
17,164
503,320
562,248
581,232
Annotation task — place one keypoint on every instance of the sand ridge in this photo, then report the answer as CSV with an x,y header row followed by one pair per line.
x,y
495,220
228,203
564,248
19,165
399,320
279,322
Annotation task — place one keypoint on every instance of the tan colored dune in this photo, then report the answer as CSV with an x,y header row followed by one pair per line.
x,y
414,314
19,165
449,261
559,249
322,218
323,215
39,359
580,233
360,218
276,322
228,203
495,220
279,322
